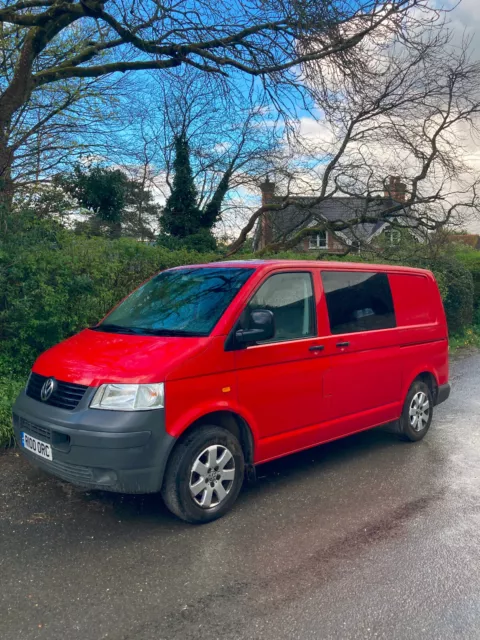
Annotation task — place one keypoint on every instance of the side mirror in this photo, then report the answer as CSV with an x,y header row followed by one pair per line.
x,y
262,327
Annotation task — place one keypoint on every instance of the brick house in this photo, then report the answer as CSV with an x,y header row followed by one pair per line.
x,y
471,240
275,225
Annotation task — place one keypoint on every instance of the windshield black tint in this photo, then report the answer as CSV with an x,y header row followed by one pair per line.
x,y
180,302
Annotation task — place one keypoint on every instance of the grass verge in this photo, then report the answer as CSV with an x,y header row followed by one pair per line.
x,y
468,338
9,389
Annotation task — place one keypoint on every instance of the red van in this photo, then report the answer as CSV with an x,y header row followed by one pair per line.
x,y
206,371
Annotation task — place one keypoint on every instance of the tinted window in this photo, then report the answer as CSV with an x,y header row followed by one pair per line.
x,y
178,302
290,297
358,301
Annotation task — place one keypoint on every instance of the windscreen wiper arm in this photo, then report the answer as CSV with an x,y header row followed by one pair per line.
x,y
114,328
171,332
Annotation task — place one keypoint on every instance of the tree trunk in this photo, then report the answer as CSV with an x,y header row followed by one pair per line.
x,y
6,182
16,94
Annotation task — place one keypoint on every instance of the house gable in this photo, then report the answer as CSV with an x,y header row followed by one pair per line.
x,y
305,212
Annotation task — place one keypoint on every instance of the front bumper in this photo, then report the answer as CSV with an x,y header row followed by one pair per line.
x,y
122,451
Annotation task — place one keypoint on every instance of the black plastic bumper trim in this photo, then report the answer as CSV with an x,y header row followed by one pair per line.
x,y
443,393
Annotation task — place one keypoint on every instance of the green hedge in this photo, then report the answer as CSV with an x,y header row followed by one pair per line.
x,y
9,390
54,283
471,260
456,284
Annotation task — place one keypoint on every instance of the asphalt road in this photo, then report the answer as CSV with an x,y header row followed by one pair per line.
x,y
368,537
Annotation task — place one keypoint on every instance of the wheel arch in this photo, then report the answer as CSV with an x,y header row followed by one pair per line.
x,y
430,379
231,421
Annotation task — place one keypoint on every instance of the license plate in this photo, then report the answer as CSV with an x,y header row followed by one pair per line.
x,y
37,447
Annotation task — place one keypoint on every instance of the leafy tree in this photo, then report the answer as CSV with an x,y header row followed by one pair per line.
x,y
183,222
101,191
141,217
181,216
116,204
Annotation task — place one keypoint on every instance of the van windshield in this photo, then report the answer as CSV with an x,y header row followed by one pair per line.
x,y
181,302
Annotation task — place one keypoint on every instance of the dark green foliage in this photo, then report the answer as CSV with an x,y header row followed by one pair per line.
x,y
471,260
118,205
203,241
9,390
211,213
53,283
458,296
181,216
142,214
101,190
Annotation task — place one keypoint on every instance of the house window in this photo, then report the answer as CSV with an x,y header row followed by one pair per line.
x,y
318,241
392,236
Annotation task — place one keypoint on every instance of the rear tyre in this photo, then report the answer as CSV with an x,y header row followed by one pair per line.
x,y
204,475
417,412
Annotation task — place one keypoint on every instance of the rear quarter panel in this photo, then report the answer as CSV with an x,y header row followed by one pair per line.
x,y
422,327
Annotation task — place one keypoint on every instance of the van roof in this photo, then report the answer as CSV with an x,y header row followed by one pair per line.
x,y
323,264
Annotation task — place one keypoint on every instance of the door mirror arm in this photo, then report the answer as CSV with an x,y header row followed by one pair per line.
x,y
261,323
245,336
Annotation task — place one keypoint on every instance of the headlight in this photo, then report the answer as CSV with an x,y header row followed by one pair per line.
x,y
129,397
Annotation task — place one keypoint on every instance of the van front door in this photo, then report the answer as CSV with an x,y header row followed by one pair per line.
x,y
280,381
363,384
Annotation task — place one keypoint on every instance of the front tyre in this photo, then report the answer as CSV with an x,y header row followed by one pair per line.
x,y
204,475
417,412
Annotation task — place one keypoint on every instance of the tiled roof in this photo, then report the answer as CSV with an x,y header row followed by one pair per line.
x,y
299,215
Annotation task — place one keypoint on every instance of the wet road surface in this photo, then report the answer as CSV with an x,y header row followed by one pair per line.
x,y
367,537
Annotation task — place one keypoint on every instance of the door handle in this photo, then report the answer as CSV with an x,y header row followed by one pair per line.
x,y
343,344
317,347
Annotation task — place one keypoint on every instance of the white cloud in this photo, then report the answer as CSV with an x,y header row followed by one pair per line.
x,y
465,21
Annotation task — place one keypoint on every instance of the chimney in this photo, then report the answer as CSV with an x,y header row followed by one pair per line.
x,y
268,194
268,191
396,189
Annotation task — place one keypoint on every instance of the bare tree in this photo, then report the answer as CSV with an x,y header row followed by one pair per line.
x,y
410,113
58,123
266,39
230,140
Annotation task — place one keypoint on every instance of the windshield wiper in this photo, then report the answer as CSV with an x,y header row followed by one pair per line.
x,y
138,331
114,328
175,333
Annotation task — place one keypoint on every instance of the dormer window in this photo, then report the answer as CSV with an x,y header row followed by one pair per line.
x,y
318,240
392,237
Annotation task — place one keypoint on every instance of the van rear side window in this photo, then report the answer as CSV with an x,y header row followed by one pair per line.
x,y
358,301
416,299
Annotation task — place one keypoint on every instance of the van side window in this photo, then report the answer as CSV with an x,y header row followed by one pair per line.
x,y
290,298
358,301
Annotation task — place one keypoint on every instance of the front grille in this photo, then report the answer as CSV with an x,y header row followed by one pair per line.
x,y
36,430
66,395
